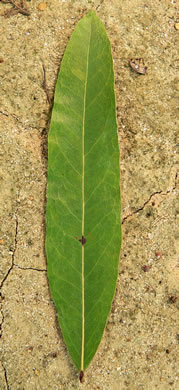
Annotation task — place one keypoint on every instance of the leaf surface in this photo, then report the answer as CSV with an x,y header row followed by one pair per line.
x,y
83,232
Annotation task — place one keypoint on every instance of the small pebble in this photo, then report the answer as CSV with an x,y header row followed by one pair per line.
x,y
41,6
36,371
176,26
146,268
158,255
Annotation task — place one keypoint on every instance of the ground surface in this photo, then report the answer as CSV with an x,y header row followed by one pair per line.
x,y
139,347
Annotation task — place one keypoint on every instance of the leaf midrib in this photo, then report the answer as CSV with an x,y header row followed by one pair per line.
x,y
83,213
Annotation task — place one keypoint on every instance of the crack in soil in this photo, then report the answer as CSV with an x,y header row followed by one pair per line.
x,y
13,253
10,268
2,321
5,278
142,207
151,197
5,376
32,268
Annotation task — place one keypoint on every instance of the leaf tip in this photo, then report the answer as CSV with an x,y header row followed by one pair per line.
x,y
91,13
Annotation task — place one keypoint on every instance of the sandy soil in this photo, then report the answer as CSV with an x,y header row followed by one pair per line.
x,y
139,347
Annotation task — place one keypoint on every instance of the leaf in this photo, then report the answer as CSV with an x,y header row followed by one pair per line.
x,y
83,210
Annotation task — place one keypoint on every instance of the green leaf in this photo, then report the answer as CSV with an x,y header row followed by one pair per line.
x,y
83,232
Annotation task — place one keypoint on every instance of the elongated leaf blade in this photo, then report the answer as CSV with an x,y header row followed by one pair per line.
x,y
83,232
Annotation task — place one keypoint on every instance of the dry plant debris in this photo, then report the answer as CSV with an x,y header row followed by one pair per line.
x,y
16,8
138,65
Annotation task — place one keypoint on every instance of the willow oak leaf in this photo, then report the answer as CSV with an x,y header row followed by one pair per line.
x,y
84,191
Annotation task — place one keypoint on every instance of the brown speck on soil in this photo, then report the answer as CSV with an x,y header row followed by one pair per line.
x,y
142,325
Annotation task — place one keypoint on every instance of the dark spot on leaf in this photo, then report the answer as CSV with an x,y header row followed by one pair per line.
x,y
81,376
83,240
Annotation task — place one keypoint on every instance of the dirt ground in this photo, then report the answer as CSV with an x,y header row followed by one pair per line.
x,y
139,347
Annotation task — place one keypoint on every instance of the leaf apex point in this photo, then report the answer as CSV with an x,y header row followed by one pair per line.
x,y
91,12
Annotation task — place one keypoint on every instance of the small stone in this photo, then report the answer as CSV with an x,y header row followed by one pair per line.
x,y
36,372
41,6
176,25
158,255
1,242
30,349
146,268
